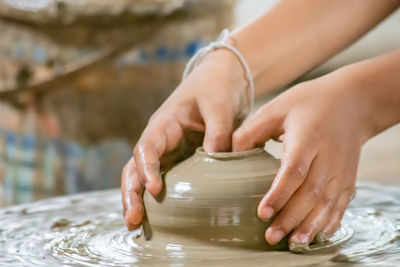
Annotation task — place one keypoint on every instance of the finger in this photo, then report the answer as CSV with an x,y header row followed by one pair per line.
x,y
262,126
156,139
300,204
320,216
344,199
132,190
295,165
219,127
338,213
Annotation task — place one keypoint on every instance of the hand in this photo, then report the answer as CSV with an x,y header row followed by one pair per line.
x,y
322,124
212,99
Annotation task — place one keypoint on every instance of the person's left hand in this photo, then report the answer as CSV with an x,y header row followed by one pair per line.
x,y
323,124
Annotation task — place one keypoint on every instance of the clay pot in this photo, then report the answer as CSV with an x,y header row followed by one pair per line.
x,y
213,197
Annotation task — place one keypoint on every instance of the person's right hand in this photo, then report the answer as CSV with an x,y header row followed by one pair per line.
x,y
211,99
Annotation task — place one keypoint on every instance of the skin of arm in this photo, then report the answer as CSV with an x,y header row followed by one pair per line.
x,y
323,124
296,36
281,45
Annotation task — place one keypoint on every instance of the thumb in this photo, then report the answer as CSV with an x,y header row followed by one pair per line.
x,y
219,128
258,129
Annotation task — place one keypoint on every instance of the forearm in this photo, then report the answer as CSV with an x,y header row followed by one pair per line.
x,y
376,82
297,35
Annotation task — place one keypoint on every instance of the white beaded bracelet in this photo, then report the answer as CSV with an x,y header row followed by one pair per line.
x,y
221,43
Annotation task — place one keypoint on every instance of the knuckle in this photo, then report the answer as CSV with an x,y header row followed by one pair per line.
x,y
295,173
297,168
137,187
315,192
329,201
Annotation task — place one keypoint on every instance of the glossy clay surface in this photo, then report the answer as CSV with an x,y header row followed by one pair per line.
x,y
214,198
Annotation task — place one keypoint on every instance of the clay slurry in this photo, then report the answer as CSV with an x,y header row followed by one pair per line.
x,y
87,230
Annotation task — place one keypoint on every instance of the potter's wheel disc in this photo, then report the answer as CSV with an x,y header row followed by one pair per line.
x,y
87,230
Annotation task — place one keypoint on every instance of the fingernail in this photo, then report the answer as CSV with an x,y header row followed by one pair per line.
x,y
303,238
275,236
299,243
295,239
266,213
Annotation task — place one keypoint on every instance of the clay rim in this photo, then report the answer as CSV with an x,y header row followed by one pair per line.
x,y
230,155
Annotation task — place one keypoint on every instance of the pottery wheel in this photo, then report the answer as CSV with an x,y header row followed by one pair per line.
x,y
87,230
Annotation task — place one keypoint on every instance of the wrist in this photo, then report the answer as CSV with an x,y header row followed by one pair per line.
x,y
223,60
375,84
219,44
228,67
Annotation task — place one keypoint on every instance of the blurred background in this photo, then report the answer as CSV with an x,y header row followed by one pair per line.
x,y
80,78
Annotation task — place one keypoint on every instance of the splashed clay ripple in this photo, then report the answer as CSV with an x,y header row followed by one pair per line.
x,y
87,229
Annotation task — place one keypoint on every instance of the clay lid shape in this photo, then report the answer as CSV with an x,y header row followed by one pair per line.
x,y
213,197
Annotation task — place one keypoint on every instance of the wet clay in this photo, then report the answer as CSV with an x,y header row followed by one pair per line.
x,y
214,198
87,230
